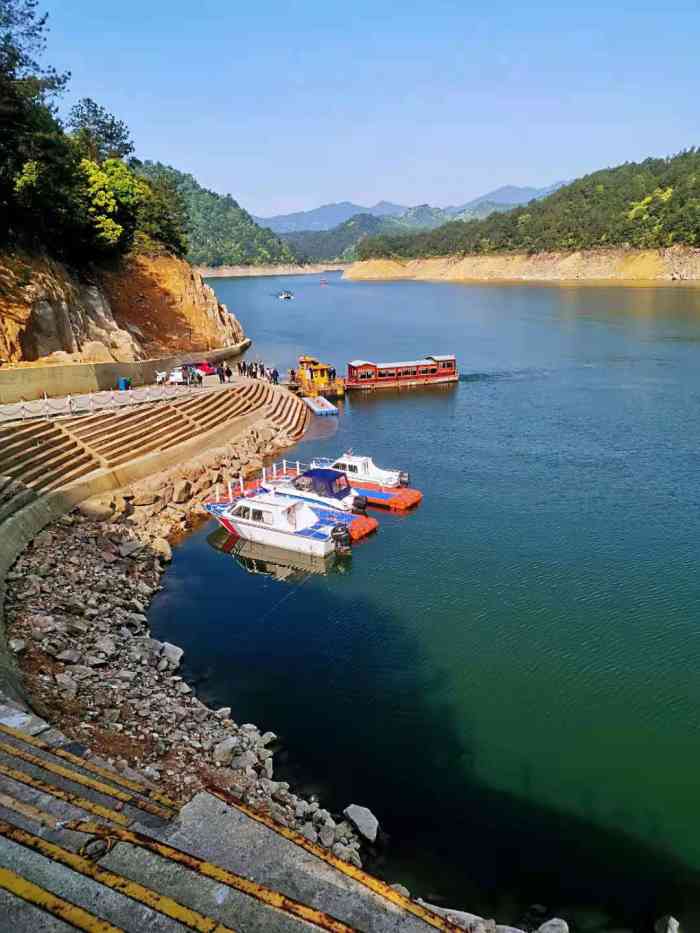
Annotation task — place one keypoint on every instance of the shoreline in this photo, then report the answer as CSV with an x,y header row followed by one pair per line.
x,y
90,665
676,266
229,272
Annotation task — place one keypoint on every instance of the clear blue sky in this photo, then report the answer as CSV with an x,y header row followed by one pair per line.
x,y
288,105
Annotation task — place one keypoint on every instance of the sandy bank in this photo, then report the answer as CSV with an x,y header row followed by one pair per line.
x,y
224,272
592,267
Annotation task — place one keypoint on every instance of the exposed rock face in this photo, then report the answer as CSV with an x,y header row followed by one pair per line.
x,y
144,307
165,301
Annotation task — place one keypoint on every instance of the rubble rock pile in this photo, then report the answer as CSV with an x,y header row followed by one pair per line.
x,y
76,609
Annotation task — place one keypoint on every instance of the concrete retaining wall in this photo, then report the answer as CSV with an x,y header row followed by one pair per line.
x,y
30,382
21,528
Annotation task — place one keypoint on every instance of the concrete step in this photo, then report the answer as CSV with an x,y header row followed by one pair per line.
x,y
276,858
52,458
15,503
119,429
132,437
26,458
210,866
80,467
24,443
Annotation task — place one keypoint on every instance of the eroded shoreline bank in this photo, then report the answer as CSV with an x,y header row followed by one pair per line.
x,y
210,272
615,267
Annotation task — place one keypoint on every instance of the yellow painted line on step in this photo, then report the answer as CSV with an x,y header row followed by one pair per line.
x,y
28,810
113,776
352,871
216,873
70,913
95,808
161,903
98,786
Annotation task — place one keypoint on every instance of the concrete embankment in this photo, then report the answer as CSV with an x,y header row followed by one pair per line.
x,y
210,272
24,383
586,267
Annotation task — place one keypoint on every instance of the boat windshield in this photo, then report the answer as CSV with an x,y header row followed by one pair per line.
x,y
341,485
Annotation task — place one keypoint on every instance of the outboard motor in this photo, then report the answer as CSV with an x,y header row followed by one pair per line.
x,y
404,477
359,504
341,539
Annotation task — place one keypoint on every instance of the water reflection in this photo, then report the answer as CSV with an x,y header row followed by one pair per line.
x,y
274,562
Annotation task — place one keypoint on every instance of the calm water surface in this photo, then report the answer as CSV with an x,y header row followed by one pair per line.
x,y
508,677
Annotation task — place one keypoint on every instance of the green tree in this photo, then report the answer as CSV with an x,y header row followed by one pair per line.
x,y
98,134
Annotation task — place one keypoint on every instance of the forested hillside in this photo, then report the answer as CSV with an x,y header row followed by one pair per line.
x,y
655,203
338,243
66,187
341,242
219,231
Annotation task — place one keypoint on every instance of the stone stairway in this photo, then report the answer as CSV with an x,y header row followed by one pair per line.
x,y
85,847
39,456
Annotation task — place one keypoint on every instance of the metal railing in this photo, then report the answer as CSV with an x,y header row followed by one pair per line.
x,y
93,401
274,471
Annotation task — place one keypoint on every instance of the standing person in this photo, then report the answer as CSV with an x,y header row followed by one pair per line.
x,y
220,373
275,376
229,374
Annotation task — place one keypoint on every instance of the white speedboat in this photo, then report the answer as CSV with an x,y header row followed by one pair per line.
x,y
363,470
283,522
320,486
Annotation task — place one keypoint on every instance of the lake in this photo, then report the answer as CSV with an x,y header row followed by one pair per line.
x,y
508,677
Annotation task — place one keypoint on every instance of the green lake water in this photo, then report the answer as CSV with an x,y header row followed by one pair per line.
x,y
510,676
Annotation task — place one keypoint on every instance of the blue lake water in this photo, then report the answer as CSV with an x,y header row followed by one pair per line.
x,y
510,676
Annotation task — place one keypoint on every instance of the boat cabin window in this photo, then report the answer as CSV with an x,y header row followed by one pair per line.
x,y
340,466
304,483
243,511
365,374
424,371
264,518
449,364
386,373
352,468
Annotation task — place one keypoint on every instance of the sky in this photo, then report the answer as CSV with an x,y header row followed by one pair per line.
x,y
288,105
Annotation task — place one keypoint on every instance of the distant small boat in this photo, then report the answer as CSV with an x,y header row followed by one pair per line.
x,y
323,282
285,296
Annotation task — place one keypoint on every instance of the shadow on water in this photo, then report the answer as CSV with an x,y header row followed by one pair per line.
x,y
356,727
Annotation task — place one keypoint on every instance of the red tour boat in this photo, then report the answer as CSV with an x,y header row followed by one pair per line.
x,y
433,369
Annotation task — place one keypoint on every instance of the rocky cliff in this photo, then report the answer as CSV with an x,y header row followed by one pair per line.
x,y
143,307
614,266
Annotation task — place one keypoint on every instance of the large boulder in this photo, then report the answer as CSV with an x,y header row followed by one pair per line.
x,y
98,510
172,654
182,491
163,549
364,821
667,924
555,925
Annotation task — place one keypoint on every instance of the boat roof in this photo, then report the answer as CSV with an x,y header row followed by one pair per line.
x,y
269,500
427,361
323,473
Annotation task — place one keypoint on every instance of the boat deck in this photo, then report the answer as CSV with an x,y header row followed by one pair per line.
x,y
359,526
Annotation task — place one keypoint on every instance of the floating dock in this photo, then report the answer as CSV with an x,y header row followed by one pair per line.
x,y
320,406
394,498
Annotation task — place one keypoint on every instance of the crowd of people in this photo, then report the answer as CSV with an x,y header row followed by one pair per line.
x,y
256,369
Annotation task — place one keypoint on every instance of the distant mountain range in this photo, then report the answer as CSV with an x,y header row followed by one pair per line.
x,y
329,216
341,242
